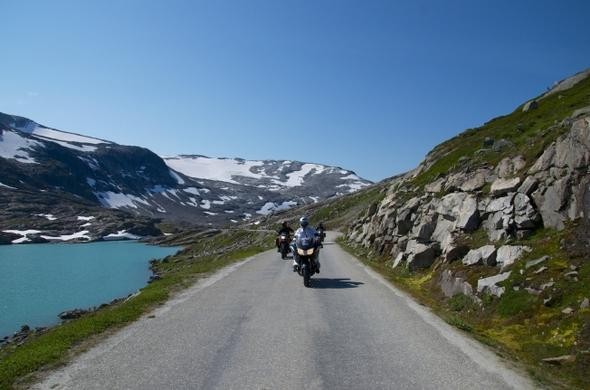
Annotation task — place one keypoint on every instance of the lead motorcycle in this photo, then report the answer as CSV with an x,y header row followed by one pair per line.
x,y
307,250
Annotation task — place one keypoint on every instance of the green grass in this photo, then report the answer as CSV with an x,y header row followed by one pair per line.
x,y
529,132
55,346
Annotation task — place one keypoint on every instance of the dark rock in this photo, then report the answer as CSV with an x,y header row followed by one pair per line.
x,y
71,314
530,105
419,256
7,238
153,278
501,144
488,142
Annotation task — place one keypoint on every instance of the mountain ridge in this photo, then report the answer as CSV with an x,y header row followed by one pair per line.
x,y
210,192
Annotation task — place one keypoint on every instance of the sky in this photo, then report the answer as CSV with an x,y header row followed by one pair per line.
x,y
366,85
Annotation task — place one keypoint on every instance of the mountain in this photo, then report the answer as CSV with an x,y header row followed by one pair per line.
x,y
39,165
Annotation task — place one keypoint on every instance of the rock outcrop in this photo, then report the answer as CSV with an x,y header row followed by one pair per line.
x,y
416,227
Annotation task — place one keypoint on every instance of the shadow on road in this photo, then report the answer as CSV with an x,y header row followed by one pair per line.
x,y
334,283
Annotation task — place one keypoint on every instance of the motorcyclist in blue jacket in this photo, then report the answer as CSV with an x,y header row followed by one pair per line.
x,y
304,231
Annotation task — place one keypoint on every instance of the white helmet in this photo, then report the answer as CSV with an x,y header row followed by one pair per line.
x,y
303,221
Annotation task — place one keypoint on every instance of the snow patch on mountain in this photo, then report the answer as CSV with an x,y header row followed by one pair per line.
x,y
82,235
176,177
296,178
7,186
15,146
220,169
115,200
271,207
57,135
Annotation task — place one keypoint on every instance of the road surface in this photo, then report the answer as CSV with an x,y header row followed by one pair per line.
x,y
255,326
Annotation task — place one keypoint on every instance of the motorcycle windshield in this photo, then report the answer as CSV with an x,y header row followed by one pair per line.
x,y
305,242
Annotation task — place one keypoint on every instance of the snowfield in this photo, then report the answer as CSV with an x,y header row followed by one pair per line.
x,y
221,169
14,146
115,200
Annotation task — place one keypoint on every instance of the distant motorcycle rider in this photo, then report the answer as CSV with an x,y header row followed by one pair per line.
x,y
285,229
304,231
321,233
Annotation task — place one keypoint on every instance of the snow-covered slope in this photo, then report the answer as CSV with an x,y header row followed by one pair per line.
x,y
202,190
274,175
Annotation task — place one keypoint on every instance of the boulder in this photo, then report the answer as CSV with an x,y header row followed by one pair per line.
x,y
71,314
561,360
508,254
503,204
585,304
525,215
503,186
468,216
425,228
551,202
530,105
490,284
508,166
461,208
404,221
532,263
529,185
483,255
451,285
475,180
420,256
435,187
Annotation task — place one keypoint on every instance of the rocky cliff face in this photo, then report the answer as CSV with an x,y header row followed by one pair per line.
x,y
508,185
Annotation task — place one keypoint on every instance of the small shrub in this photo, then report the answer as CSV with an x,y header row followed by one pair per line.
x,y
460,302
515,302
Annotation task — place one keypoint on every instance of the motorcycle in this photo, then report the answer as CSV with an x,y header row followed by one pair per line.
x,y
284,247
321,234
307,252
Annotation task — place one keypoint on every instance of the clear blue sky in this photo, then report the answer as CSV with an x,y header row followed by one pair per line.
x,y
370,86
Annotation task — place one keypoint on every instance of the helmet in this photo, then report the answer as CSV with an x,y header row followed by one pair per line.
x,y
303,221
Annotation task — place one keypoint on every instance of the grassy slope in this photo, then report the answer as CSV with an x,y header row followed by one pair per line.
x,y
54,347
530,132
518,325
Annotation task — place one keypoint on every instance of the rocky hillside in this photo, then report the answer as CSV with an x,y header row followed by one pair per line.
x,y
41,167
494,226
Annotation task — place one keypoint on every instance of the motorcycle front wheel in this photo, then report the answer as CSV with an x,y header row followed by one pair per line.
x,y
306,276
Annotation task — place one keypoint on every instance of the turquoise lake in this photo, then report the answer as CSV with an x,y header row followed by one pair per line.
x,y
39,281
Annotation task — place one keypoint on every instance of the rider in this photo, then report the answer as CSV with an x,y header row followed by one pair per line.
x,y
306,231
285,229
321,233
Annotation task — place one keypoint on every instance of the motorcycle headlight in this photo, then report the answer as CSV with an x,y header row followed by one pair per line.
x,y
300,252
309,252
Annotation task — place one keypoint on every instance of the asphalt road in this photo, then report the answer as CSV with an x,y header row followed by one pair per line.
x,y
255,326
